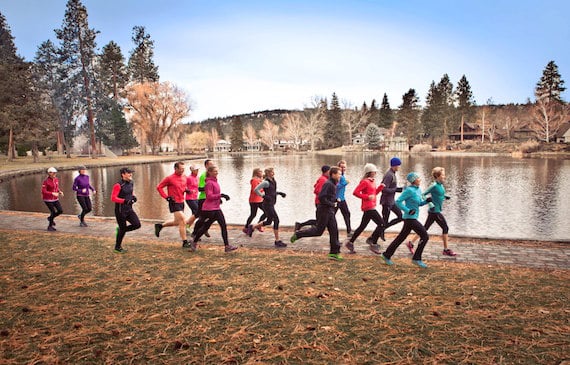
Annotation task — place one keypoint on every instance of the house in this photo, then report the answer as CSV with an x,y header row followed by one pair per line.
x,y
524,133
222,146
252,147
471,132
397,144
563,134
358,139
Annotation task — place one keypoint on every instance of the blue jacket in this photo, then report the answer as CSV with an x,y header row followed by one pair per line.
x,y
341,188
411,198
437,192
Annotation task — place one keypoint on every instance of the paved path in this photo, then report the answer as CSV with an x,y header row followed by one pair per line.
x,y
497,254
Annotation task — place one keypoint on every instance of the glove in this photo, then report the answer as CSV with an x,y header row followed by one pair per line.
x,y
225,196
187,191
134,199
429,199
447,197
399,190
170,199
130,201
283,195
412,212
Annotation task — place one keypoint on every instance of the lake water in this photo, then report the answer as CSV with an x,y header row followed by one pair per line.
x,y
497,197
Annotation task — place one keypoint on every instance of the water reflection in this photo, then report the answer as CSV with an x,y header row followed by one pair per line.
x,y
490,196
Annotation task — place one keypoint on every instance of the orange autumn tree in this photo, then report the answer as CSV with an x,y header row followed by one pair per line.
x,y
155,108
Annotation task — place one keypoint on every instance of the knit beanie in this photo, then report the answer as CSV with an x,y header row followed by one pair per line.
x,y
412,176
395,161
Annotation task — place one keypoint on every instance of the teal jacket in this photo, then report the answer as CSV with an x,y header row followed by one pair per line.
x,y
437,191
411,199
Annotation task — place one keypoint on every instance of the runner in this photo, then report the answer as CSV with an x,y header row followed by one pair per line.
x,y
124,198
341,200
176,187
316,190
387,199
255,201
211,211
326,216
410,202
192,194
50,195
202,195
82,186
367,191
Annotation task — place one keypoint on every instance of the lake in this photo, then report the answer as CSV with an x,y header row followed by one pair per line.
x,y
491,196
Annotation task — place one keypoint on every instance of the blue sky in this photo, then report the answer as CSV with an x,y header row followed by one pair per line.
x,y
236,57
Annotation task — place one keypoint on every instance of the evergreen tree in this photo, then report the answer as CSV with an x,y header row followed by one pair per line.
x,y
408,116
78,55
334,134
372,136
550,86
141,64
236,138
385,115
465,103
112,71
113,127
373,113
439,110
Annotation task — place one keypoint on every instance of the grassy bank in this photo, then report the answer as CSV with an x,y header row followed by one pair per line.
x,y
70,299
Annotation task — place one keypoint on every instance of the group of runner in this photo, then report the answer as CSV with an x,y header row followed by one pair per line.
x,y
203,196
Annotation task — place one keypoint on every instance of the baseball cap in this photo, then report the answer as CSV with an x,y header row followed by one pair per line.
x,y
51,169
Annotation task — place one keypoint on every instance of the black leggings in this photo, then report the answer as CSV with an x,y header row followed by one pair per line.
x,y
386,209
325,219
439,219
345,214
122,219
86,206
369,215
55,210
409,226
271,215
208,217
253,207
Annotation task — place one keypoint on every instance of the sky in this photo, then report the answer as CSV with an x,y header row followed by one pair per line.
x,y
234,57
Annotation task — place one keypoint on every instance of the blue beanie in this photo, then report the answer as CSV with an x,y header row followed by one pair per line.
x,y
412,176
325,168
395,161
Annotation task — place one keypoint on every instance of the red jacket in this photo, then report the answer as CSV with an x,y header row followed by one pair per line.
x,y
318,186
365,188
253,197
50,186
175,185
192,186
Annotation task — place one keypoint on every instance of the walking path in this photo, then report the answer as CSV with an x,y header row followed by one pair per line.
x,y
557,257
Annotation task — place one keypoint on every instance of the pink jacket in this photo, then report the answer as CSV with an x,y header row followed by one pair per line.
x,y
212,190
363,191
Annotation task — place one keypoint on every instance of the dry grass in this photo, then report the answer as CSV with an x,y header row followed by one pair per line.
x,y
70,299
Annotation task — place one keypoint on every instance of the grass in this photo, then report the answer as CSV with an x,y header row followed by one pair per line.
x,y
70,299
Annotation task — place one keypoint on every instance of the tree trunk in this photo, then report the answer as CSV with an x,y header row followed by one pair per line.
x,y
35,152
483,127
11,154
462,119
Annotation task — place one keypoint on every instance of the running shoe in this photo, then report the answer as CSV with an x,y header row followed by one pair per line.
x,y
369,241
420,263
293,238
186,244
335,256
51,228
387,261
193,246
249,230
448,252
157,229
120,250
83,224
280,244
374,247
230,248
350,246
410,247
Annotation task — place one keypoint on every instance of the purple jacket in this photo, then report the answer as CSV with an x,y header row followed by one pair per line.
x,y
81,185
212,190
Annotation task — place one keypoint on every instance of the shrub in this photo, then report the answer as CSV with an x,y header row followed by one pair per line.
x,y
421,148
529,146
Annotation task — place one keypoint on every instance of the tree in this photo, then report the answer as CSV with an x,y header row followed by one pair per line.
x,y
112,71
334,134
372,136
465,102
314,119
213,139
269,134
550,86
293,129
141,64
250,134
374,113
236,138
385,114
155,108
78,55
197,141
438,113
408,115
353,119
113,128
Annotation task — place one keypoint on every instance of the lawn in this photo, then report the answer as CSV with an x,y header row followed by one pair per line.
x,y
70,299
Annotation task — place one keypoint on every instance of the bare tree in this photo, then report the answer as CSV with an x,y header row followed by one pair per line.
x,y
548,116
269,134
198,141
213,138
156,108
250,135
294,129
314,121
353,119
178,134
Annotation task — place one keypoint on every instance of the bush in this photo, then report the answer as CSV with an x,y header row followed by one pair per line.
x,y
529,146
421,148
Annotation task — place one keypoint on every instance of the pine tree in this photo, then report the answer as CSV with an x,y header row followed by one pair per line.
x,y
550,86
236,138
78,55
465,103
334,134
372,136
112,71
141,64
408,115
385,115
113,127
373,113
